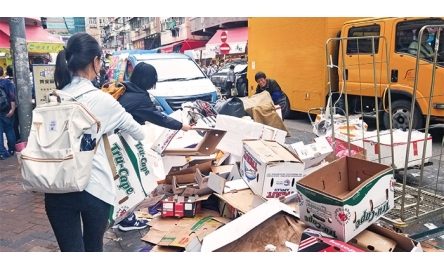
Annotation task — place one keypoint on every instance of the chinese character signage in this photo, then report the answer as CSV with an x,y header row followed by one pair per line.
x,y
43,81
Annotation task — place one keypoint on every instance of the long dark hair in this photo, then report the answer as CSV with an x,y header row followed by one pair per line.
x,y
144,76
80,51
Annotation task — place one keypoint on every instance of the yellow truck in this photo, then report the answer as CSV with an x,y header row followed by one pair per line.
x,y
297,52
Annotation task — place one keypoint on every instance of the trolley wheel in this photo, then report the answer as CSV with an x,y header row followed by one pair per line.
x,y
397,229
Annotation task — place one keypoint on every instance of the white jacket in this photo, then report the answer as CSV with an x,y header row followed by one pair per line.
x,y
111,116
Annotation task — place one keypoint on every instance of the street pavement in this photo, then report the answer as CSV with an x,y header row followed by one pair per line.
x,y
24,226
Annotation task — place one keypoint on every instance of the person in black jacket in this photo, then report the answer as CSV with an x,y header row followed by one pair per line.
x,y
137,102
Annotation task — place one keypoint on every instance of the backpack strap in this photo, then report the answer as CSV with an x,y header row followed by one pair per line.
x,y
83,90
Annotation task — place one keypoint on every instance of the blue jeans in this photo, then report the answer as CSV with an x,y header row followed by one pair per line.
x,y
67,211
7,127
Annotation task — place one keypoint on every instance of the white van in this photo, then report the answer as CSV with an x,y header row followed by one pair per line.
x,y
180,79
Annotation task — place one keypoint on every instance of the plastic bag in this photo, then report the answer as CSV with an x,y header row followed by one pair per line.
x,y
232,107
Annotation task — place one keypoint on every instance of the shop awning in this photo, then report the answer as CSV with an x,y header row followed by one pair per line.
x,y
181,46
237,39
38,40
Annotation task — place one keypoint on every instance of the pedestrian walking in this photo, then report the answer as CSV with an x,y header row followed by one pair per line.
x,y
231,77
10,76
79,219
7,111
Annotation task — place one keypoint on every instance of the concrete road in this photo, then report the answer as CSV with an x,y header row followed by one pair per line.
x,y
301,129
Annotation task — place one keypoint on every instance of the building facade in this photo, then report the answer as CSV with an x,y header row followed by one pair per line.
x,y
65,26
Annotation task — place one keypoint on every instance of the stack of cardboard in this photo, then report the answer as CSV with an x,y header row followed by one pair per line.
x,y
267,196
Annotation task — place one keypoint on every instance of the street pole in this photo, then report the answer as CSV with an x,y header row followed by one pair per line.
x,y
21,74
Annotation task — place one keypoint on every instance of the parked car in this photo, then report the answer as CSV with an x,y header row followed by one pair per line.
x,y
240,70
180,79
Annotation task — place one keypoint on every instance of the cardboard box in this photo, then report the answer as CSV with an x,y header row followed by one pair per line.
x,y
135,177
315,241
312,154
270,169
269,223
181,206
190,145
239,129
400,138
346,196
403,243
372,242
170,231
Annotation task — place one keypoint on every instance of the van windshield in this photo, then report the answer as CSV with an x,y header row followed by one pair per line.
x,y
175,69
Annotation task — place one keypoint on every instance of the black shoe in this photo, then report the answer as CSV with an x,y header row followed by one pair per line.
x,y
11,153
3,157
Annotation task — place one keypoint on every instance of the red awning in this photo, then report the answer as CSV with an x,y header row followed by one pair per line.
x,y
234,35
33,34
188,44
4,40
38,40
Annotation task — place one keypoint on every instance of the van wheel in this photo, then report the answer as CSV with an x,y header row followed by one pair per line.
x,y
401,116
242,89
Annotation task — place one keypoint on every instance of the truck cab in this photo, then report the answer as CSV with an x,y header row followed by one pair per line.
x,y
374,65
180,79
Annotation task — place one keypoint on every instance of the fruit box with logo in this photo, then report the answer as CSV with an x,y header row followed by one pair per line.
x,y
135,179
346,196
270,169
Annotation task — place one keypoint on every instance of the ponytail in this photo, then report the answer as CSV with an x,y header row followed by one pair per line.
x,y
62,74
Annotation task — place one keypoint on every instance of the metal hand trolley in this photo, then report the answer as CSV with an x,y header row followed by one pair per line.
x,y
417,199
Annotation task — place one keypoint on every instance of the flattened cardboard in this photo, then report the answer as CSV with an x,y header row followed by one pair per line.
x,y
170,231
205,147
314,153
346,196
372,242
239,129
241,226
242,200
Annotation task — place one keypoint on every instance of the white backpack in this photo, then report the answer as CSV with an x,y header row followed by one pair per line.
x,y
52,161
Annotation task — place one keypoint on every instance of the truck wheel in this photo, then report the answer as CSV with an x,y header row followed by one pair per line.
x,y
401,116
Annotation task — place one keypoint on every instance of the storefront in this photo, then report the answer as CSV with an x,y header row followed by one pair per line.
x,y
237,40
40,44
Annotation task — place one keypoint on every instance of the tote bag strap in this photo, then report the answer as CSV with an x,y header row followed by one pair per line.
x,y
110,156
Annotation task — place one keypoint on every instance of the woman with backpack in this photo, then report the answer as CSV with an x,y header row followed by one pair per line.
x,y
80,219
137,102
